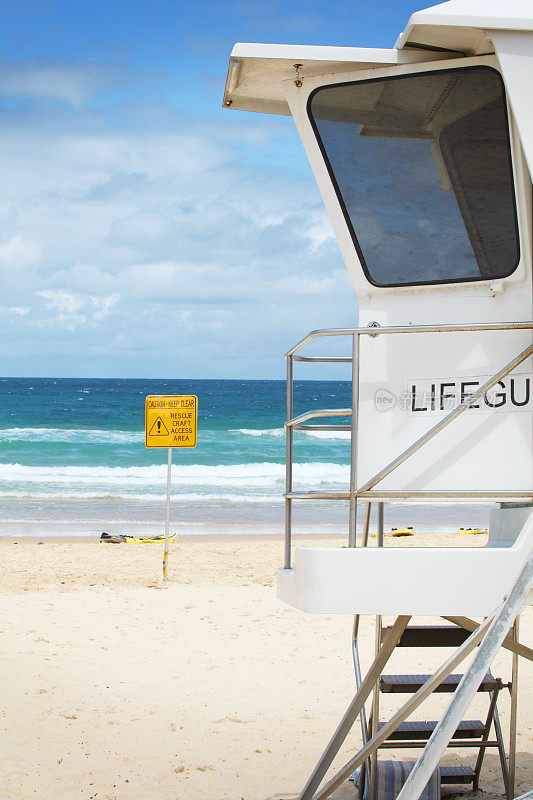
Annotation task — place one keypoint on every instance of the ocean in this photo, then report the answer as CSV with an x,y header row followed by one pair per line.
x,y
73,460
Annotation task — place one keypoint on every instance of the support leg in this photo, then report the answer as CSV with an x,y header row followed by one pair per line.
x,y
375,697
365,768
366,525
484,738
501,752
364,777
358,681
514,715
375,719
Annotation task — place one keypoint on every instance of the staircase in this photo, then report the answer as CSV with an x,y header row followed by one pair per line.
x,y
473,734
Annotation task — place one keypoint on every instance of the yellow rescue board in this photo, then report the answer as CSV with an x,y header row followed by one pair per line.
x,y
135,540
397,532
471,531
402,532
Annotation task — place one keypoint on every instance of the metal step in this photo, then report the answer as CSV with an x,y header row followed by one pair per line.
x,y
417,730
432,636
457,775
408,684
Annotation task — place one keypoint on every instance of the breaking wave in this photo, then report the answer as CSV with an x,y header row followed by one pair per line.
x,y
255,477
75,435
276,432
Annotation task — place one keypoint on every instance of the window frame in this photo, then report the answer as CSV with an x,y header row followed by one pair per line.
x,y
342,205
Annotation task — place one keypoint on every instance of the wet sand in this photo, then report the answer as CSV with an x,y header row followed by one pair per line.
x,y
117,687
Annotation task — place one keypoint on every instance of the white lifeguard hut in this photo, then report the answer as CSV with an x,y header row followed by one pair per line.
x,y
423,155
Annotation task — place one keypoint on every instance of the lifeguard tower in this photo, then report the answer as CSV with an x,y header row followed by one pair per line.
x,y
423,155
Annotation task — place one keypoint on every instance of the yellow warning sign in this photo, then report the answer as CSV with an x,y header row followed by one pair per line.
x,y
171,420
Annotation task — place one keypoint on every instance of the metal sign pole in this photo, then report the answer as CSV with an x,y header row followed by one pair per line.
x,y
167,523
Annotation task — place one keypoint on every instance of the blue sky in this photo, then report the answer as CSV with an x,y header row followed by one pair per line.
x,y
144,230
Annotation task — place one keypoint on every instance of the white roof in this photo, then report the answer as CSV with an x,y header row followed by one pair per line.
x,y
256,71
461,24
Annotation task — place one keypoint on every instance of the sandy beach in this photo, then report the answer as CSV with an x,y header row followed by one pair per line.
x,y
116,687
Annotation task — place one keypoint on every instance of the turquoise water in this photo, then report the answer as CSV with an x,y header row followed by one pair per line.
x,y
74,449
73,460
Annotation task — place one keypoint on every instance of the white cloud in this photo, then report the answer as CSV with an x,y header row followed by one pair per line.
x,y
20,311
61,301
16,253
65,307
135,230
71,82
103,305
319,230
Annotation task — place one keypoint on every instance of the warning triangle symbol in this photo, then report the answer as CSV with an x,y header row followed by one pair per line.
x,y
158,428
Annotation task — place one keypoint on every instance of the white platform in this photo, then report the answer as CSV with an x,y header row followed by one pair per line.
x,y
426,581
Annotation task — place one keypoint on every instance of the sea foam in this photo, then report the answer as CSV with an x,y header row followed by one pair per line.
x,y
277,432
188,498
75,435
253,475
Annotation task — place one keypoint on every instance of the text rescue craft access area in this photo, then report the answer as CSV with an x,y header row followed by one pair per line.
x,y
171,420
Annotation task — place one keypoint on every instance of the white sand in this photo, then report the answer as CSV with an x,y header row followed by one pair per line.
x,y
117,688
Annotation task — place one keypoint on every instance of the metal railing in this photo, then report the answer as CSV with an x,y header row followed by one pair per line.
x,y
367,492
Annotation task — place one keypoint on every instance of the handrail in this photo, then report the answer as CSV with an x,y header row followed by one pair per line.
x,y
323,359
322,427
379,331
503,496
321,412
318,495
366,491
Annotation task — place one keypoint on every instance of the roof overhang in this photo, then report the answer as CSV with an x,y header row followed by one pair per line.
x,y
257,71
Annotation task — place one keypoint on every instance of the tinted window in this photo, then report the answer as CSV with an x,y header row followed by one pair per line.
x,y
421,165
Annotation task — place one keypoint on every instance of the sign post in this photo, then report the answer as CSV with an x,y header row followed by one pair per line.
x,y
167,521
170,421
